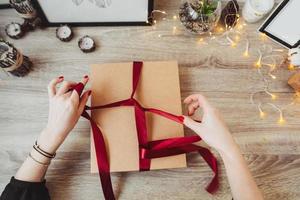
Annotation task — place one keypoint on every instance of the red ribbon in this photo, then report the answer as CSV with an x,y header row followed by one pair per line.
x,y
147,149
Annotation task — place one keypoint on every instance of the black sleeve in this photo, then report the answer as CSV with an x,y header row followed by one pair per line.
x,y
22,190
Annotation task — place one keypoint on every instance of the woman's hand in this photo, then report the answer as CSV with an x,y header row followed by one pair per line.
x,y
214,132
65,108
212,129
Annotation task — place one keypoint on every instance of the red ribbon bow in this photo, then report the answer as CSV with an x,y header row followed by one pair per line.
x,y
147,149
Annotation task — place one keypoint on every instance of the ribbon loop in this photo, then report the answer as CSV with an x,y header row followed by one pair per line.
x,y
79,88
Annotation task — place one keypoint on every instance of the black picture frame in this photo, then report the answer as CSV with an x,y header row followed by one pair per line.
x,y
86,24
262,29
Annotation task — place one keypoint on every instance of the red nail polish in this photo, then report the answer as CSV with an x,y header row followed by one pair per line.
x,y
89,92
61,77
86,76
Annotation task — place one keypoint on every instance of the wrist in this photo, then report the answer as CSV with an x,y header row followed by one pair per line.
x,y
47,142
39,157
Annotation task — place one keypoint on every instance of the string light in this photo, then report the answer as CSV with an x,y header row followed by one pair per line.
x,y
262,114
231,36
246,52
258,62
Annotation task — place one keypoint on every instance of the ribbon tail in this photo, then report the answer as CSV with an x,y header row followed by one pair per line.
x,y
213,164
204,152
102,159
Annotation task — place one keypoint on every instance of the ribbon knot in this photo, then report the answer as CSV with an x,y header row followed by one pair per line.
x,y
147,149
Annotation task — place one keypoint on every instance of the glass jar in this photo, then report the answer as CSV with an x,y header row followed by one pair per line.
x,y
200,16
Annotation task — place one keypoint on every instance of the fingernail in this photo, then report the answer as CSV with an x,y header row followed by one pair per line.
x,y
89,92
86,76
61,77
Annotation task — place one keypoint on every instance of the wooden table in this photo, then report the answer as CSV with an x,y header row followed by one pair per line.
x,y
220,72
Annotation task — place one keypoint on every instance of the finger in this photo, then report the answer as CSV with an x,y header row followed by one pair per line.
x,y
192,107
67,85
200,99
84,81
83,100
52,85
190,123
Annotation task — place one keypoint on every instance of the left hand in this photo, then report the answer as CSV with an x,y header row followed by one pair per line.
x,y
65,108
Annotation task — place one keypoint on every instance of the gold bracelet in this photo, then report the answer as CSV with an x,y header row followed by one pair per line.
x,y
39,162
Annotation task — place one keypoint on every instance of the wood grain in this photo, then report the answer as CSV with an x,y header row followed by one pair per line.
x,y
221,73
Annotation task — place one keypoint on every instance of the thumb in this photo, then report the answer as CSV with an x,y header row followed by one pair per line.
x,y
83,101
192,124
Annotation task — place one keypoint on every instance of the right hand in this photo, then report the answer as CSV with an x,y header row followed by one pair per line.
x,y
212,128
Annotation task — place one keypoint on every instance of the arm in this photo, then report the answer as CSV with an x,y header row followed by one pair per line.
x,y
214,132
65,108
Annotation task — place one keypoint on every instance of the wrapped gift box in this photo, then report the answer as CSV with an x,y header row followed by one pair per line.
x,y
159,88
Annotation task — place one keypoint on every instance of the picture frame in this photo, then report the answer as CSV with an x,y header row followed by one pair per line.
x,y
280,26
96,12
4,4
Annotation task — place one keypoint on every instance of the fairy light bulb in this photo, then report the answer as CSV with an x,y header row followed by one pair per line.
x,y
262,114
291,67
281,120
221,29
200,41
273,96
272,76
174,17
246,53
237,38
258,64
